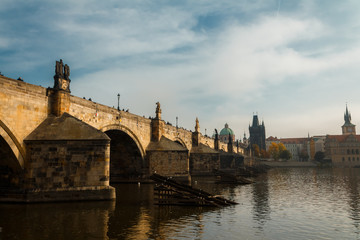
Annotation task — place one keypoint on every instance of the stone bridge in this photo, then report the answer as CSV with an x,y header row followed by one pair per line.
x,y
139,146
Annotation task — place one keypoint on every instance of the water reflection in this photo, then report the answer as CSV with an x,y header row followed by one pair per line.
x,y
56,220
283,204
260,198
136,217
352,178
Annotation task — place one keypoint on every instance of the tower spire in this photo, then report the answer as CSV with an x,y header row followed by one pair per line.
x,y
347,115
348,127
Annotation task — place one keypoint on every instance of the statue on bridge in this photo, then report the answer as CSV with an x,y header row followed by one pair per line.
x,y
197,126
62,71
158,111
216,140
61,78
66,72
59,68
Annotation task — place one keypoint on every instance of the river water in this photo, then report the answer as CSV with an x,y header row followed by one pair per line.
x,y
298,203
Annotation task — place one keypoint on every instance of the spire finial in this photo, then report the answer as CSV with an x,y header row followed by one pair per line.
x,y
197,126
158,111
347,115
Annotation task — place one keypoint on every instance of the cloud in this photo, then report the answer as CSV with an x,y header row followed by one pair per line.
x,y
220,74
102,34
263,50
220,62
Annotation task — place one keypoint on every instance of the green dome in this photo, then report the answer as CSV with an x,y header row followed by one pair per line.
x,y
226,131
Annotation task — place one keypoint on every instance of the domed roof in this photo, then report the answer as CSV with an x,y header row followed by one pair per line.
x,y
226,131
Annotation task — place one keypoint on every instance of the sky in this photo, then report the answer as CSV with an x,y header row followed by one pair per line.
x,y
294,63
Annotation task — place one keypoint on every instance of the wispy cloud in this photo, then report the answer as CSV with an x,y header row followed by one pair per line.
x,y
217,61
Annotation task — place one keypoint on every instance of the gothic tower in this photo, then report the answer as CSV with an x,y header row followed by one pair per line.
x,y
257,133
348,128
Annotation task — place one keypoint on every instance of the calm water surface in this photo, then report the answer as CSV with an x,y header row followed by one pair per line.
x,y
303,203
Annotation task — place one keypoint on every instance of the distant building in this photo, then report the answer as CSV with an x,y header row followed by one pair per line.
x,y
344,150
245,141
298,147
270,140
319,145
257,133
225,133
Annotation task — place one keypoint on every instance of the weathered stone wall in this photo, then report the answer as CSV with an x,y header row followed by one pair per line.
x,y
23,107
168,163
106,118
208,141
178,134
231,161
67,164
204,163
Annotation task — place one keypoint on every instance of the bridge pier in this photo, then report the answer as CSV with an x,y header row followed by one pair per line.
x,y
66,160
164,156
203,159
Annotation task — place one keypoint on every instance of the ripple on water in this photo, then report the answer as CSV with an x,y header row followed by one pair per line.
x,y
304,203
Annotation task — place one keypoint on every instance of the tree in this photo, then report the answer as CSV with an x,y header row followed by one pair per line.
x,y
256,150
274,151
281,147
264,153
278,150
304,156
319,156
285,154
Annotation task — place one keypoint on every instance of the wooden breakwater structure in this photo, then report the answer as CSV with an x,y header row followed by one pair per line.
x,y
170,192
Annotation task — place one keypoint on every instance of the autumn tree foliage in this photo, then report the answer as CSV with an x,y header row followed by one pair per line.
x,y
264,153
278,150
256,150
281,147
274,151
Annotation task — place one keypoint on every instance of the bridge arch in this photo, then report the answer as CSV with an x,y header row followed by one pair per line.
x,y
128,132
127,156
181,142
8,136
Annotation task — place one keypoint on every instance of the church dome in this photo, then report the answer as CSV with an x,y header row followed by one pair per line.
x,y
226,131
